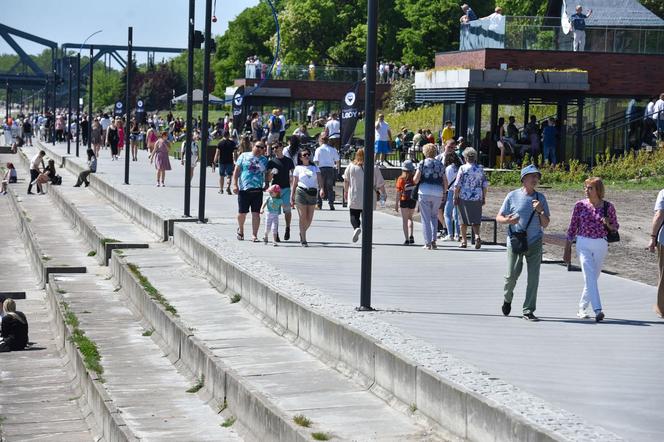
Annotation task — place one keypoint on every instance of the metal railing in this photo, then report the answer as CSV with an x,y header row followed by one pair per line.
x,y
301,72
546,34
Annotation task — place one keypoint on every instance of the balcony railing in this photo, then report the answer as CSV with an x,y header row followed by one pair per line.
x,y
301,72
547,34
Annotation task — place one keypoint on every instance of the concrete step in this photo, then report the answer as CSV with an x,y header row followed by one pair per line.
x,y
239,354
99,223
39,398
144,388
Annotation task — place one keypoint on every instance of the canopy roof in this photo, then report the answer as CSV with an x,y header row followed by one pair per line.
x,y
197,97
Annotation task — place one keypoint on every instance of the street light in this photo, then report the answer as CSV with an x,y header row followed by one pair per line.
x,y
90,65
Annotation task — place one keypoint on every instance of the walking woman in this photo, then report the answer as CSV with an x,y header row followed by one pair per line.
x,y
354,190
304,191
133,139
112,139
592,220
452,164
430,177
96,136
160,157
470,195
121,134
151,137
404,200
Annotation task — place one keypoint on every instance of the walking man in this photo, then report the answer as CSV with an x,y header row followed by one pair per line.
x,y
249,178
34,170
526,212
657,243
326,158
578,22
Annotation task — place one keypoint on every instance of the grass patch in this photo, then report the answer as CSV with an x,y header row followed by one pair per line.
x,y
85,312
320,436
151,290
302,420
117,289
86,346
200,384
62,292
46,258
236,298
105,241
412,408
148,332
92,253
229,422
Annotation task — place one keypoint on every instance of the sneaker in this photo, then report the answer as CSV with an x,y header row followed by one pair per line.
x,y
277,239
356,234
599,317
30,193
530,317
274,244
448,238
506,308
228,191
331,206
265,240
582,314
287,234
434,245
406,243
411,239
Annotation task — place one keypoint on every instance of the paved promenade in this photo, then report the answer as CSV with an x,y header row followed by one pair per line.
x,y
609,374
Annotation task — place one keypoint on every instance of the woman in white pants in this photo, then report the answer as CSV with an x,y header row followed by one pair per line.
x,y
592,219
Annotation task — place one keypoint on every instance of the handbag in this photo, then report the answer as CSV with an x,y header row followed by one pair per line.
x,y
611,235
519,240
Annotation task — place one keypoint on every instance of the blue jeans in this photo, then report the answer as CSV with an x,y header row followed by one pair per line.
x,y
451,210
429,206
550,153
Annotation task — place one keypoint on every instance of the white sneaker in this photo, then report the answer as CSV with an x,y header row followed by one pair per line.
x,y
582,314
448,238
356,234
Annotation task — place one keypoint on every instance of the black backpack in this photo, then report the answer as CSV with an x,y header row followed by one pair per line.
x,y
276,123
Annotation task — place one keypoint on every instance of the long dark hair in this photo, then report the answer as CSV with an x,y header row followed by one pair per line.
x,y
299,157
452,158
293,145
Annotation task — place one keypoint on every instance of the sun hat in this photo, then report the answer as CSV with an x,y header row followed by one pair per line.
x,y
530,169
408,166
275,188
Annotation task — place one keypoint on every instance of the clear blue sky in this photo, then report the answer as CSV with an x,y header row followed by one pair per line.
x,y
155,22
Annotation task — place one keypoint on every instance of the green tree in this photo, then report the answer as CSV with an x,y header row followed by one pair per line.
x,y
108,87
656,6
523,7
179,66
249,34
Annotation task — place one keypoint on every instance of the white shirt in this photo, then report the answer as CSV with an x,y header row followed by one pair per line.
x,y
382,131
650,108
311,110
659,109
282,117
659,205
451,173
307,176
326,156
105,122
36,161
333,128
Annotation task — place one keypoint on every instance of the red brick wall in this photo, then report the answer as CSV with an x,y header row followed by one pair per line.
x,y
624,75
317,90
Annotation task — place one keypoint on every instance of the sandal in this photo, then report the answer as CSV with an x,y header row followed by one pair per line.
x,y
254,239
463,245
478,243
240,236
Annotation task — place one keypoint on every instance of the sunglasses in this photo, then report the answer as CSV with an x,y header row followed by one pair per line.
x,y
304,155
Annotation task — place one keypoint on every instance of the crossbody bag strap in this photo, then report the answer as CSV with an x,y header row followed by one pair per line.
x,y
529,219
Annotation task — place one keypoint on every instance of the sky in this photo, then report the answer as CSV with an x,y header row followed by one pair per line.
x,y
155,22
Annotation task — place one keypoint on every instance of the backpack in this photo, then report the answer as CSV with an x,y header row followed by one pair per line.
x,y
276,124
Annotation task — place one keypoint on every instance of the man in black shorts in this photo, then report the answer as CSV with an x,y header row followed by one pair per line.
x,y
281,167
249,181
225,158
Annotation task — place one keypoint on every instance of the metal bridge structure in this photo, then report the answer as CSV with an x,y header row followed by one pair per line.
x,y
39,87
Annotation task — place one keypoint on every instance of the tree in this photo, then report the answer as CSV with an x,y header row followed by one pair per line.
x,y
108,87
656,6
179,65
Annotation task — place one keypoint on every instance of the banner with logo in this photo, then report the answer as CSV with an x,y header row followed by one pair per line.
x,y
118,110
238,109
349,114
140,111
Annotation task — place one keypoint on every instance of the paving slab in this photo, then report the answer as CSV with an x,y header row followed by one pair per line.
x,y
444,310
147,389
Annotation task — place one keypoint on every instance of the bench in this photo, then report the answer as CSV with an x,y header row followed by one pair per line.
x,y
558,239
11,295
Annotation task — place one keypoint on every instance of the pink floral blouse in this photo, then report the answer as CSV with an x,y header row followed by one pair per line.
x,y
587,220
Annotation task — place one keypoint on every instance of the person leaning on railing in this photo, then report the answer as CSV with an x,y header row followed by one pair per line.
x,y
578,22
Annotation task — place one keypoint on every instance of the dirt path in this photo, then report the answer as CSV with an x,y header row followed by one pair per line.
x,y
628,258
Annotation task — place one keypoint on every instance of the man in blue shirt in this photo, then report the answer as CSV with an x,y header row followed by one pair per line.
x,y
578,22
550,136
469,14
524,210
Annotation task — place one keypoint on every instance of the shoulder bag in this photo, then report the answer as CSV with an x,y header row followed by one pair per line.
x,y
611,235
519,240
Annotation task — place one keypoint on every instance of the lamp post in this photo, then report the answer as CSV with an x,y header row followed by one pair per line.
x,y
189,123
128,105
90,69
369,135
69,111
78,101
206,102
